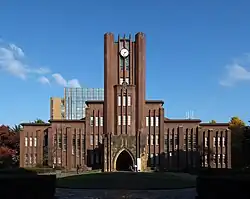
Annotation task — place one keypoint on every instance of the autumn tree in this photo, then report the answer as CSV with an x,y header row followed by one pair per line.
x,y
9,147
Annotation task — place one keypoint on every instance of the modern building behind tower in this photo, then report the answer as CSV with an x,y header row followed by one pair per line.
x,y
72,105
75,99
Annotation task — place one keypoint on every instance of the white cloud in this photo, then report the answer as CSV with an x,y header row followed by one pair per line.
x,y
44,80
237,71
12,61
61,81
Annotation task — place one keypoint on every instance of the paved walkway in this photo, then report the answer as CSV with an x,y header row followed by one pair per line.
x,y
125,194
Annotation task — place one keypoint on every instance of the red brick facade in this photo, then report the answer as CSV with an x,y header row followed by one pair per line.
x,y
125,128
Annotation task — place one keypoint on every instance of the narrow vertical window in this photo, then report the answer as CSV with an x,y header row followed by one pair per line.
x,y
91,121
96,140
121,81
35,141
30,141
96,121
124,100
101,121
127,80
223,141
91,140
119,120
156,121
152,140
214,141
26,141
129,101
119,101
156,140
152,121
124,120
129,120
147,121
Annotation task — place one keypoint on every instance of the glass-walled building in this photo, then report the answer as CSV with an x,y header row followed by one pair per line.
x,y
75,99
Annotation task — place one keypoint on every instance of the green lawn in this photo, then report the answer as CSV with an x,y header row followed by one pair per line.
x,y
128,180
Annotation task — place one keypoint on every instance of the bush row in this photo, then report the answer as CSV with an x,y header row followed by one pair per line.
x,y
21,184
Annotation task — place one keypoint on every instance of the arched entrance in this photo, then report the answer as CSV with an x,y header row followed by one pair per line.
x,y
124,161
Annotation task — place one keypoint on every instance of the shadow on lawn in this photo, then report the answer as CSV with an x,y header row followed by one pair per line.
x,y
127,180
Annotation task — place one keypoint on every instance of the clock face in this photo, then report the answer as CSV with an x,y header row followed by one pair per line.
x,y
124,52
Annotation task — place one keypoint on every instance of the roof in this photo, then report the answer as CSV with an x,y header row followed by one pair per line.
x,y
67,120
155,102
214,124
94,102
35,124
167,120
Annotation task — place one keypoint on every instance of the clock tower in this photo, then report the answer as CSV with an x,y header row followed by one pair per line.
x,y
124,96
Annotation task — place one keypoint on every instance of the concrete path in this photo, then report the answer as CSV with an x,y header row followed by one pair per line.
x,y
125,194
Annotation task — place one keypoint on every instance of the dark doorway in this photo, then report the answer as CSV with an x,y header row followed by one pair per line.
x,y
124,161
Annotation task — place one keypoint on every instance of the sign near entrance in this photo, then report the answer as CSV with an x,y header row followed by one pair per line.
x,y
138,164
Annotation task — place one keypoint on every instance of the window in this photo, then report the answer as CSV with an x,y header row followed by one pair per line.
x,y
147,121
100,139
35,141
129,101
152,121
30,158
156,140
219,142
59,160
96,121
26,141
119,101
26,159
78,142
83,144
147,140
152,140
60,141
156,121
127,63
30,141
64,142
206,145
96,139
121,81
223,141
101,121
124,101
54,160
124,120
73,151
91,140
127,80
129,120
119,120
214,141
91,121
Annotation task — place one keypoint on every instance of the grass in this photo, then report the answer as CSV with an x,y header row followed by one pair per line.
x,y
128,180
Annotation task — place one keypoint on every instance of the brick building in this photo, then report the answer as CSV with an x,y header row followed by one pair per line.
x,y
126,129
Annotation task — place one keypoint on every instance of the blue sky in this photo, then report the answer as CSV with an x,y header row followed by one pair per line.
x,y
201,49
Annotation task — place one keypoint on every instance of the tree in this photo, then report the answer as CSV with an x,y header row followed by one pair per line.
x,y
39,121
237,127
16,128
212,122
9,147
236,122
